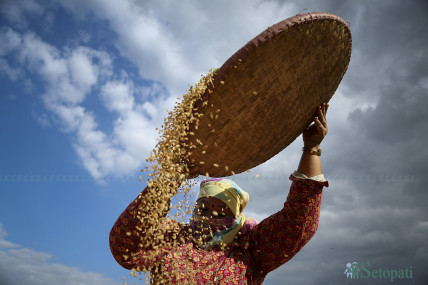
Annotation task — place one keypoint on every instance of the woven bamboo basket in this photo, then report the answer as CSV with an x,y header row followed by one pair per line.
x,y
266,94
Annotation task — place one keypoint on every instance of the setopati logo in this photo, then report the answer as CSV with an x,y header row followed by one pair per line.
x,y
363,271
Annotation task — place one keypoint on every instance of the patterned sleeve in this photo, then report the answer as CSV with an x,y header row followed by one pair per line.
x,y
279,237
136,231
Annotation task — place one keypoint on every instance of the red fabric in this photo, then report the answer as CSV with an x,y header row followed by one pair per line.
x,y
262,249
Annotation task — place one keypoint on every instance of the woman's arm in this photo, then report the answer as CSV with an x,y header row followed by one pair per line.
x,y
279,237
310,164
276,239
137,230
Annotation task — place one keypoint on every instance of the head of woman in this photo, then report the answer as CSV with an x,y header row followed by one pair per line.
x,y
220,198
218,212
213,208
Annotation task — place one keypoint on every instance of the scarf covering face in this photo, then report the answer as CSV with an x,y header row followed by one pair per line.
x,y
224,230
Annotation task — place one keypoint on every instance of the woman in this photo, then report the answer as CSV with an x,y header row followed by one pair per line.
x,y
219,245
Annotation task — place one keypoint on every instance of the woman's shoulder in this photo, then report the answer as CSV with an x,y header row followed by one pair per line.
x,y
248,226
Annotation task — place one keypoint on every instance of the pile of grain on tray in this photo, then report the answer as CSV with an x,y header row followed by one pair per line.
x,y
168,176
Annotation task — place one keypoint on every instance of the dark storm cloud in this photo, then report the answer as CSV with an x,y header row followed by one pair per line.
x,y
385,35
391,70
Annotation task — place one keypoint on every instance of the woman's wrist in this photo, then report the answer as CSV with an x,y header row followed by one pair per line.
x,y
311,147
312,151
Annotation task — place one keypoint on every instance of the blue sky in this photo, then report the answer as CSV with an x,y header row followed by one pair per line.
x,y
84,84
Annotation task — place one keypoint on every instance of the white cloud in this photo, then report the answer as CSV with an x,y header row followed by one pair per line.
x,y
71,118
170,52
17,11
135,133
44,58
150,109
69,76
9,40
142,39
4,243
174,42
20,265
83,73
118,96
11,72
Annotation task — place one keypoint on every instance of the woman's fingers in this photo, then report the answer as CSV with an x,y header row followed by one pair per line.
x,y
322,112
319,125
321,120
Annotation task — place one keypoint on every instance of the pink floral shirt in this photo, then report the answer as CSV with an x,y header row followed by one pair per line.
x,y
263,248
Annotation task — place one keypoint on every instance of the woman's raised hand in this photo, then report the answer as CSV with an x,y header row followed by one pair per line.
x,y
315,133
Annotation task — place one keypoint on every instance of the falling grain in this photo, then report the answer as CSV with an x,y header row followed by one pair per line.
x,y
168,177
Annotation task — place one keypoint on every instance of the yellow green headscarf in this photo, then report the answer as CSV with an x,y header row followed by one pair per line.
x,y
234,197
227,191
